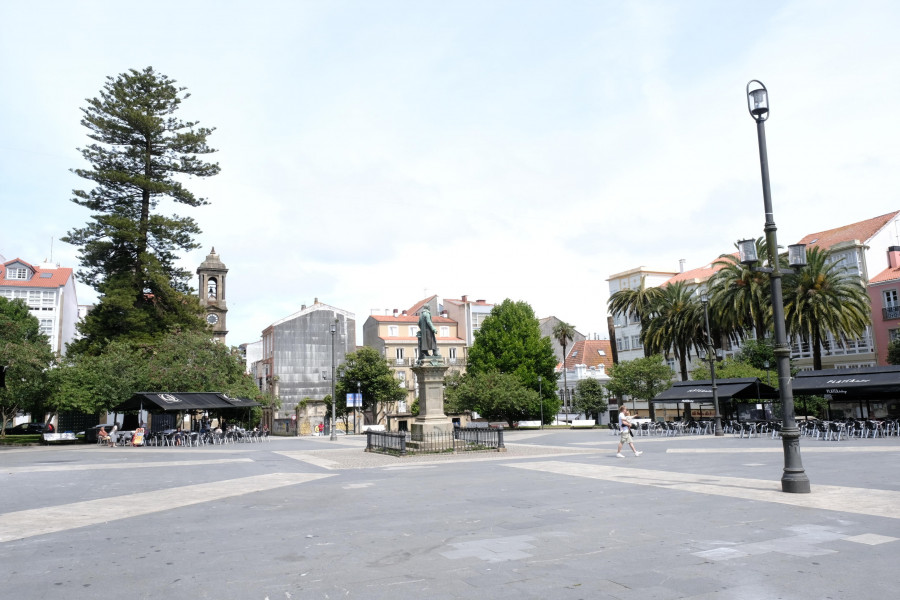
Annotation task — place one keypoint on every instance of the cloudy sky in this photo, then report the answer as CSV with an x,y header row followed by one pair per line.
x,y
376,152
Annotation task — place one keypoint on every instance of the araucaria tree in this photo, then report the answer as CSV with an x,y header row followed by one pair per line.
x,y
140,156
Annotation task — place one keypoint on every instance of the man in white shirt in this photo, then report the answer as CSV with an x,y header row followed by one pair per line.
x,y
625,432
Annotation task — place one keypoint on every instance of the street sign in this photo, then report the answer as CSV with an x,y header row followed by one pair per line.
x,y
354,400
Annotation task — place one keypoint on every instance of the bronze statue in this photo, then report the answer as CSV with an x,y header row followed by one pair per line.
x,y
427,334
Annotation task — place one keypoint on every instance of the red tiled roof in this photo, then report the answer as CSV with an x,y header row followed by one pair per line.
x,y
460,301
889,274
418,305
57,277
698,275
408,319
587,352
862,231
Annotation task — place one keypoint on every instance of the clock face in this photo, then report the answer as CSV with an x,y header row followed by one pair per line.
x,y
212,319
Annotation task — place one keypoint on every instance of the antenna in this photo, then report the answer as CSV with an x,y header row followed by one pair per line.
x,y
51,249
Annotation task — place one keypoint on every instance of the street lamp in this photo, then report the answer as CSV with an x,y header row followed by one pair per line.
x,y
766,366
794,479
358,399
711,355
541,396
333,402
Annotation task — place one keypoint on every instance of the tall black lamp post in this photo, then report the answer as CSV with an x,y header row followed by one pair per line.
x,y
333,399
711,355
794,479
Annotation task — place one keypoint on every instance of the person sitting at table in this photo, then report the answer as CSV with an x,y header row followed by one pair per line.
x,y
102,436
111,438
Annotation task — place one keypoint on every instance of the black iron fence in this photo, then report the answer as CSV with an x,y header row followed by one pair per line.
x,y
461,439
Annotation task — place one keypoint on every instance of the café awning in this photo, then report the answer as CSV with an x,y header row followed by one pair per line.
x,y
849,384
746,388
182,401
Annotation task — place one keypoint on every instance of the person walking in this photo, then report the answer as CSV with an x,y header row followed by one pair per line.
x,y
625,436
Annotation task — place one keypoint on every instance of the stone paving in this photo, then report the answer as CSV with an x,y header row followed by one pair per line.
x,y
556,516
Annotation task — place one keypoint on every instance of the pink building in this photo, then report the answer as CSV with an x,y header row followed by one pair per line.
x,y
884,294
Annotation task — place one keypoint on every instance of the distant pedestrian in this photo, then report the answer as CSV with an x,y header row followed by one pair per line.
x,y
625,436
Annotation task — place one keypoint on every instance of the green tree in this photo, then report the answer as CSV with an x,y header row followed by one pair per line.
x,y
190,361
642,378
637,302
129,250
564,333
590,398
730,369
893,355
824,297
95,384
742,297
380,390
509,341
757,353
25,358
676,325
495,396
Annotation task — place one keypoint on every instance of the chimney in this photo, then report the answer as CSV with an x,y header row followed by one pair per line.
x,y
404,313
315,300
681,262
302,307
395,312
465,298
893,257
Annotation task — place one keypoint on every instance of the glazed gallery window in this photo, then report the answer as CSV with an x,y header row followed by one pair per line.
x,y
17,273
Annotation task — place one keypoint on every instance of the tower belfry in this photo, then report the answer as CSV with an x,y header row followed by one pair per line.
x,y
212,272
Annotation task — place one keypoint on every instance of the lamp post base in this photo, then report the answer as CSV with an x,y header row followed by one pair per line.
x,y
794,479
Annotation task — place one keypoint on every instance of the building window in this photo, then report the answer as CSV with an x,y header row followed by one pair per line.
x,y
894,334
452,353
393,331
34,299
635,341
890,299
48,301
47,326
444,331
413,330
17,273
624,343
401,378
400,353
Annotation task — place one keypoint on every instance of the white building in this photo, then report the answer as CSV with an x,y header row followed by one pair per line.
x,y
49,292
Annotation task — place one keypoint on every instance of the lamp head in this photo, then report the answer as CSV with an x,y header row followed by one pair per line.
x,y
758,100
797,255
747,251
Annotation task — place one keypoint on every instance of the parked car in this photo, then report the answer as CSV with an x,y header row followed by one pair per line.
x,y
26,428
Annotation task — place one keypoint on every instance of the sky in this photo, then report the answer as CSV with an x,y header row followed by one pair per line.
x,y
374,153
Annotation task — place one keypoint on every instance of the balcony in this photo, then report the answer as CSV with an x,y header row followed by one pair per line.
x,y
890,312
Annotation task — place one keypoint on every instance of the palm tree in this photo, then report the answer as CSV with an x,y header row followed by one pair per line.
x,y
742,297
676,324
564,333
638,302
824,298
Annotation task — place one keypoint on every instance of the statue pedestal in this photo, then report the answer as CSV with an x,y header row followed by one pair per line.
x,y
430,372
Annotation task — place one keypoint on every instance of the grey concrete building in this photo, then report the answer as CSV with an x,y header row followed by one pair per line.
x,y
297,361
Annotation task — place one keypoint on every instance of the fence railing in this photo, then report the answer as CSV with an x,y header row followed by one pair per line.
x,y
461,439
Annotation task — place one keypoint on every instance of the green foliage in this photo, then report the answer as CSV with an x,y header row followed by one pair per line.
x,y
509,341
639,302
893,356
642,378
729,368
140,155
740,298
495,396
677,324
25,353
189,361
824,297
94,384
380,390
590,398
757,353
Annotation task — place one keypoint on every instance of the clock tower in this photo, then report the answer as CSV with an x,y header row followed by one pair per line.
x,y
212,274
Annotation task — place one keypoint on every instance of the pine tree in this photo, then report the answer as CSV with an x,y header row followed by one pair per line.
x,y
140,155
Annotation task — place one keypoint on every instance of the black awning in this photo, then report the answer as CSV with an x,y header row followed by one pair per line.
x,y
746,388
849,384
170,401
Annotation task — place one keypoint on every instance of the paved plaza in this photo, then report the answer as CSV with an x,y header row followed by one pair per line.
x,y
557,516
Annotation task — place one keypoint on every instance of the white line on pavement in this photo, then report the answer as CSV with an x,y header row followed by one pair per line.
x,y
40,521
130,465
878,503
780,450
